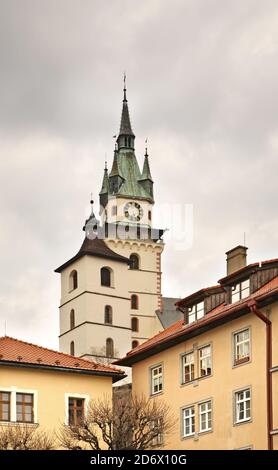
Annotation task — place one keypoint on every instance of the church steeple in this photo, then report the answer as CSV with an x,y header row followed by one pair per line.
x,y
126,136
146,180
103,195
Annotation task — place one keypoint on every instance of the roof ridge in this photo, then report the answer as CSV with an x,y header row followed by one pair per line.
x,y
57,352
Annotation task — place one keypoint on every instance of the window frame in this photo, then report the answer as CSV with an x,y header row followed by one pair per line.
x,y
137,267
108,315
183,418
206,412
73,280
235,406
136,321
5,402
240,290
161,374
193,312
112,346
245,360
24,404
205,358
84,397
183,356
134,296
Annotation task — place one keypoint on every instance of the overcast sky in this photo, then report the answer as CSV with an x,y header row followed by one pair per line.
x,y
202,86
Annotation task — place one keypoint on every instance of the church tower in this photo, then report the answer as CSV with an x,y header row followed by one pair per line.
x,y
111,289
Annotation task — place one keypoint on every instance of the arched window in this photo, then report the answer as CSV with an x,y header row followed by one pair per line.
x,y
73,280
72,348
134,324
150,215
134,302
134,261
72,319
109,347
108,318
134,344
106,277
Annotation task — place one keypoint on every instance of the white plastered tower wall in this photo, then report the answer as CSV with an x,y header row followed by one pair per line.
x,y
88,301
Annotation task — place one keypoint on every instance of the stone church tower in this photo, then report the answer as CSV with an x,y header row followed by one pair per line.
x,y
111,289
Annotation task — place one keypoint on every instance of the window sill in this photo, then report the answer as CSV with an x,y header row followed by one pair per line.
x,y
194,381
241,362
18,423
245,421
153,395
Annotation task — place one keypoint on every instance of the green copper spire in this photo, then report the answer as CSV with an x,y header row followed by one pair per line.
x,y
126,136
146,174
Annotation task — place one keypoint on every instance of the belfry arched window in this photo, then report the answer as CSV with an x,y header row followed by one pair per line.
x,y
109,347
134,261
72,319
72,348
134,324
108,316
73,280
106,277
134,302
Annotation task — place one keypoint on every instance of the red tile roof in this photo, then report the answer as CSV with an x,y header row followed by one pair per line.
x,y
17,351
180,328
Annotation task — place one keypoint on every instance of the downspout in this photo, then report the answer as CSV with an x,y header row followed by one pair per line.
x,y
253,307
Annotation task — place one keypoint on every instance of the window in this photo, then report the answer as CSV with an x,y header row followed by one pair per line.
x,y
105,277
134,344
76,411
205,416
134,324
109,347
188,415
205,361
196,312
134,302
5,406
73,280
25,407
157,429
72,319
242,346
150,215
108,317
240,291
72,348
114,210
156,380
242,406
134,261
187,367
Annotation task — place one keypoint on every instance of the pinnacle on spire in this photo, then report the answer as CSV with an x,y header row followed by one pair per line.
x,y
91,223
126,136
146,174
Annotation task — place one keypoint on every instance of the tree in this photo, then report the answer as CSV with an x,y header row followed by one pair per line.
x,y
136,423
24,437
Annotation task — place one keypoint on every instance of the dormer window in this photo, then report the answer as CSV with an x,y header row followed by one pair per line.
x,y
196,312
240,291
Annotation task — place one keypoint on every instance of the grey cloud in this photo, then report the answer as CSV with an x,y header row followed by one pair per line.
x,y
202,85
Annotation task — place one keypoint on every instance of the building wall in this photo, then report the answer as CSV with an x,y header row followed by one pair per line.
x,y
218,387
51,390
145,283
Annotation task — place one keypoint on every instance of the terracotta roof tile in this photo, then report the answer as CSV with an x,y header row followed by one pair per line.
x,y
15,350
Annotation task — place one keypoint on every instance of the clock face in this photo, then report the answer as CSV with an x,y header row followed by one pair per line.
x,y
133,211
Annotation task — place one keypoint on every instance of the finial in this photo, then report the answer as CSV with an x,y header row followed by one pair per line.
x,y
146,148
125,87
105,165
91,200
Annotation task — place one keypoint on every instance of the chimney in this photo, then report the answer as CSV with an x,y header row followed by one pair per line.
x,y
236,259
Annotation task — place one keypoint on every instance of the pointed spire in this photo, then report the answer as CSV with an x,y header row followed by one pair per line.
x,y
146,174
91,223
125,126
115,167
105,181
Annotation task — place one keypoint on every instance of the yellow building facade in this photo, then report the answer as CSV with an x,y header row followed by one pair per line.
x,y
217,368
46,389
